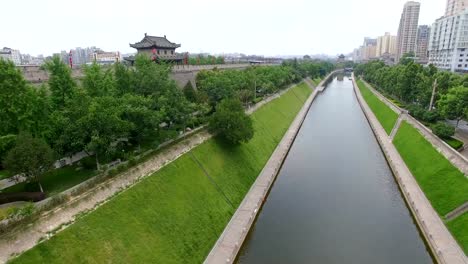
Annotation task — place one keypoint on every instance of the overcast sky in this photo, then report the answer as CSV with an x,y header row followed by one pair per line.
x,y
267,27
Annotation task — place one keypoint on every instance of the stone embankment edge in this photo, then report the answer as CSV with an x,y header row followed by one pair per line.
x,y
441,242
229,243
451,154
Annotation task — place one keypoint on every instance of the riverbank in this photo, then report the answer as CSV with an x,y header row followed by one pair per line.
x,y
177,213
444,247
233,236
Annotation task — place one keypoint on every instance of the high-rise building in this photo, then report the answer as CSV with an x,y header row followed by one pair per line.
x,y
422,43
407,31
455,7
386,44
368,49
448,43
11,54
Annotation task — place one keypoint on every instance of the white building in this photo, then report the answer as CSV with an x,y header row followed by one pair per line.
x,y
11,54
448,43
455,7
102,57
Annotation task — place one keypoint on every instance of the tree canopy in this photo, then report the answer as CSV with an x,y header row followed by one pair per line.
x,y
231,122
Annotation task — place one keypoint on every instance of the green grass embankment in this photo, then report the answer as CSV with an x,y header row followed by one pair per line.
x,y
444,185
459,228
386,116
177,214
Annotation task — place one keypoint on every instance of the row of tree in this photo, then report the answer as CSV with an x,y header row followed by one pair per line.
x,y
255,82
205,60
122,105
416,87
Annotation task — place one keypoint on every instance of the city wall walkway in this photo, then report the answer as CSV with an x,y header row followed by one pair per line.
x,y
228,245
443,246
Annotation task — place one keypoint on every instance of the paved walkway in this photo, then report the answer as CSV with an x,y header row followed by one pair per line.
x,y
441,242
228,245
21,240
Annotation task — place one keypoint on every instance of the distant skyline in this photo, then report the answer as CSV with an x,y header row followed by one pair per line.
x,y
262,27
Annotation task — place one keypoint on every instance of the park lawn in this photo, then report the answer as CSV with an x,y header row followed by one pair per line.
x,y
57,181
444,185
459,229
177,214
386,116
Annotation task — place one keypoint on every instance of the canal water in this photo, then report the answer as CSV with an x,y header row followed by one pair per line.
x,y
335,199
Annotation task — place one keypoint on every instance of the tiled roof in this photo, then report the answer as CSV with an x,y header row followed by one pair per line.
x,y
153,41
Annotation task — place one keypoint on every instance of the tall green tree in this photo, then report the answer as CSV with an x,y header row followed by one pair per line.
x,y
31,157
103,125
231,122
61,83
454,104
123,79
14,110
98,82
138,110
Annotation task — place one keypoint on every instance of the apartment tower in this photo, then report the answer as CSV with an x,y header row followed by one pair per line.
x,y
408,29
455,7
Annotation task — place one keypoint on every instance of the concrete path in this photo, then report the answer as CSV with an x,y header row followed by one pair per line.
x,y
440,240
457,212
228,245
397,125
17,241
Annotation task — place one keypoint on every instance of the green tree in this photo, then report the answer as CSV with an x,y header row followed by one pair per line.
x,y
103,125
14,97
96,81
61,83
454,104
231,122
123,79
31,157
189,92
6,144
138,110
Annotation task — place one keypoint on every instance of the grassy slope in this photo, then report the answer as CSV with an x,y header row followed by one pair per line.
x,y
444,185
459,228
176,215
384,114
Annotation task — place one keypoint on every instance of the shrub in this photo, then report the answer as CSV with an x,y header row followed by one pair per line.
x,y
431,116
89,163
416,111
443,130
112,172
454,143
